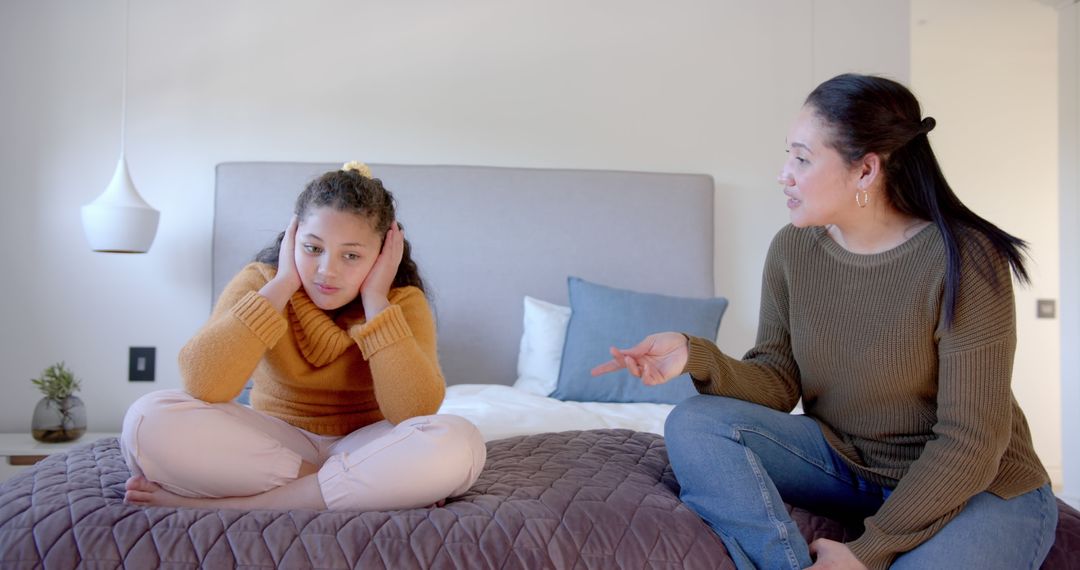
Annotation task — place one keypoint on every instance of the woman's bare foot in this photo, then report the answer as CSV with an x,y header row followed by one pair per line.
x,y
141,491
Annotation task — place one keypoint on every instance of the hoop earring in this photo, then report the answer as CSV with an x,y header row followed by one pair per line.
x,y
865,198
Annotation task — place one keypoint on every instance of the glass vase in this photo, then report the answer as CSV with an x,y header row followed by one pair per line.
x,y
56,421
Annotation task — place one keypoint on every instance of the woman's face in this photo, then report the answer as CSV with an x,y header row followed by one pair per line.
x,y
334,254
818,182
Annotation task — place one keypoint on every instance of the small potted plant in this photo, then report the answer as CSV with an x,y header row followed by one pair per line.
x,y
59,416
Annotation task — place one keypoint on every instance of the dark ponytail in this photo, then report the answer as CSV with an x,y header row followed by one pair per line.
x,y
353,192
873,114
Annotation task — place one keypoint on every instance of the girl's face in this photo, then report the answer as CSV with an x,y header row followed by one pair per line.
x,y
818,182
334,254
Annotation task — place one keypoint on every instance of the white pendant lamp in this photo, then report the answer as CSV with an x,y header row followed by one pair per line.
x,y
120,221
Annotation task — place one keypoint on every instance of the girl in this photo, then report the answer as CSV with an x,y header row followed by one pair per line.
x,y
887,306
332,325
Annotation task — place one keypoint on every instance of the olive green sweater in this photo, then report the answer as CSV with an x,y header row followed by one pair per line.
x,y
908,401
328,373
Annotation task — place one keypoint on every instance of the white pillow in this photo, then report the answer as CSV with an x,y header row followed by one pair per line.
x,y
541,346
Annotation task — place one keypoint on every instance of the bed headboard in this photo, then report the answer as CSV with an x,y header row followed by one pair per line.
x,y
484,237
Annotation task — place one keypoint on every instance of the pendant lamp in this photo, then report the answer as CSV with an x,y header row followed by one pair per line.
x,y
119,220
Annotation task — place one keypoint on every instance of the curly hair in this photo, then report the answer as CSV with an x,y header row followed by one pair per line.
x,y
350,191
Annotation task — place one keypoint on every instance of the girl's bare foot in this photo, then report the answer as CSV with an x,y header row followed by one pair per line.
x,y
303,493
141,491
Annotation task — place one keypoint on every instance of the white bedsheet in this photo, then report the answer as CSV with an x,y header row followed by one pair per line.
x,y
504,411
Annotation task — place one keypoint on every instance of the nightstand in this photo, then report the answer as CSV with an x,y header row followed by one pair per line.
x,y
19,451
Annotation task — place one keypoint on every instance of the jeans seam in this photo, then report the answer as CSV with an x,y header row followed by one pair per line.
x,y
794,451
781,528
1044,517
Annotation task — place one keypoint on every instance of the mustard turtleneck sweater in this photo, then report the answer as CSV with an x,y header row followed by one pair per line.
x,y
908,401
330,374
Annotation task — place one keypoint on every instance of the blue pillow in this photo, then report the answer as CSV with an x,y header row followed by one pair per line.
x,y
603,317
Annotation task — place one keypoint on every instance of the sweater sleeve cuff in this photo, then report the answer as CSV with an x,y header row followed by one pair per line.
x,y
698,363
256,312
385,329
873,552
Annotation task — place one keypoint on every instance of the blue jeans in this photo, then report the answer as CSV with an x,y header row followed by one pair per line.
x,y
737,462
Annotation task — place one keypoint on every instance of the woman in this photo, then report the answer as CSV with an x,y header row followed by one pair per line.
x,y
887,307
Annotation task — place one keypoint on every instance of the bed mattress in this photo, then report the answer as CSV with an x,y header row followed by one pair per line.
x,y
577,499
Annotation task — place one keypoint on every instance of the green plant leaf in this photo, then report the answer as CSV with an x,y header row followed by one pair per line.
x,y
57,382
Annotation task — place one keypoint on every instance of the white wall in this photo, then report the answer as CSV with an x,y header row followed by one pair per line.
x,y
1069,105
695,86
987,71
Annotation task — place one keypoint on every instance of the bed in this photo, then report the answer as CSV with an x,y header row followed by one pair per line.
x,y
568,484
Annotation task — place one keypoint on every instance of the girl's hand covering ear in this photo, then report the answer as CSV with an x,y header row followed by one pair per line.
x,y
376,286
286,272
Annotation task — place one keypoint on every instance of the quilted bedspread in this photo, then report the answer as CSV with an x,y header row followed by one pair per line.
x,y
587,499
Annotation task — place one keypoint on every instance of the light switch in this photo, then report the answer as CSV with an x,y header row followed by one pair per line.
x,y
1045,309
141,364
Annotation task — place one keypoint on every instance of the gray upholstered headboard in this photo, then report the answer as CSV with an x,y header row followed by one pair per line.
x,y
485,237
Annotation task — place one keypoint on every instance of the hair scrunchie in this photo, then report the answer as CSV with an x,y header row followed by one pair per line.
x,y
927,125
358,167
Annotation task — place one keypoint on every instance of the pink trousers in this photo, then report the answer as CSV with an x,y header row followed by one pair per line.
x,y
197,449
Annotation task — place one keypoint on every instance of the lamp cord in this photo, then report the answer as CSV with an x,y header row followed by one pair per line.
x,y
123,90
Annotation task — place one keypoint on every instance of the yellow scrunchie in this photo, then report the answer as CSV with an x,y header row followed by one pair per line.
x,y
359,167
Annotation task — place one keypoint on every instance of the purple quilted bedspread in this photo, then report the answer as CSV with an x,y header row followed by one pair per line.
x,y
592,499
